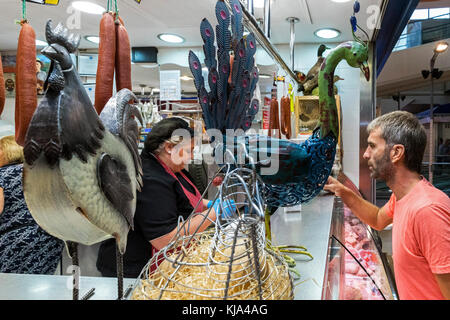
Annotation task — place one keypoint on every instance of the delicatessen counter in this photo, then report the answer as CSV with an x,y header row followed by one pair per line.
x,y
347,263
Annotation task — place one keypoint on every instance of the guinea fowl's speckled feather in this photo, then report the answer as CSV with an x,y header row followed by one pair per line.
x,y
81,179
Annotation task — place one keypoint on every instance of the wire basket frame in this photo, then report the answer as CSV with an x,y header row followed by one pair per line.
x,y
228,261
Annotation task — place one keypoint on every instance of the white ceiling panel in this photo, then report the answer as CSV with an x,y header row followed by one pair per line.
x,y
152,17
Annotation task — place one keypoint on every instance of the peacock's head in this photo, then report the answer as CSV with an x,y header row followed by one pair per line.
x,y
357,57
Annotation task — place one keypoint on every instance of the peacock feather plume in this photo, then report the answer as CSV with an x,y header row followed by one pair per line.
x,y
227,104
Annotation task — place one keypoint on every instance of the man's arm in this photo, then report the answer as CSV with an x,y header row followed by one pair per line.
x,y
367,212
443,281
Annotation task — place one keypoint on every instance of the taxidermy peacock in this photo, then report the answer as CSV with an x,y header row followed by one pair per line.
x,y
81,170
303,169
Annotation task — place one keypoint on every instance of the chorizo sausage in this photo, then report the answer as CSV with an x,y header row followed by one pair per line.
x,y
26,81
286,117
274,122
123,58
106,61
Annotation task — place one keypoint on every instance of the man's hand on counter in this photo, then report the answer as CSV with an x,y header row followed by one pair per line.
x,y
334,186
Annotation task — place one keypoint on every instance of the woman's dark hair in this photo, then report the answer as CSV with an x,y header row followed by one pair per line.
x,y
164,130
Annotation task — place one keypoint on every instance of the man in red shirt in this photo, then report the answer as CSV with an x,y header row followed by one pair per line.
x,y
420,213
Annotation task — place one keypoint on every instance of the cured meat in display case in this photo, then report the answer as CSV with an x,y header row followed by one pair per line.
x,y
357,267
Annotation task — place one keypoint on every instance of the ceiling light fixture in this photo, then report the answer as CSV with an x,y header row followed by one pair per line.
x,y
327,33
148,65
88,7
340,1
40,43
441,47
170,37
185,78
93,39
258,3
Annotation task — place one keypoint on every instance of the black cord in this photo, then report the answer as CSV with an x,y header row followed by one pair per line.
x,y
359,265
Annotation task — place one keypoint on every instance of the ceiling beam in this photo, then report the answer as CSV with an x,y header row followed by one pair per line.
x,y
387,89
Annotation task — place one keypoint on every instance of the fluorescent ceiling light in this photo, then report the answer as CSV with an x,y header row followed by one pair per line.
x,y
340,1
93,39
88,7
148,65
258,3
185,78
439,13
419,14
169,37
441,47
40,43
327,33
264,76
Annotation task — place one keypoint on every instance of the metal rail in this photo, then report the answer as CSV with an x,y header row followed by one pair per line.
x,y
251,24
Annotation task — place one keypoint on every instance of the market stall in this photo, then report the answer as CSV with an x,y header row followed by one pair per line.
x,y
84,133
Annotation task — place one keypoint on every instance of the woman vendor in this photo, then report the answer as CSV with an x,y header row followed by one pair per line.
x,y
167,194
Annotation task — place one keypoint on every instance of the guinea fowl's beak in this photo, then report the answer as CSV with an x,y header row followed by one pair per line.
x,y
49,52
365,69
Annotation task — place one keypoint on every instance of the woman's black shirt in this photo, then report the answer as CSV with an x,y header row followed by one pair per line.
x,y
158,207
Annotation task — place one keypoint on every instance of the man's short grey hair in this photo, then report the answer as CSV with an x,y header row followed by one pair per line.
x,y
402,127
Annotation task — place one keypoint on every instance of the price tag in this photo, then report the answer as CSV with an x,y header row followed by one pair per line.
x,y
170,87
47,2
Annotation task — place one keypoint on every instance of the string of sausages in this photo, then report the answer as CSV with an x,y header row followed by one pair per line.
x,y
114,57
282,125
286,117
26,82
274,119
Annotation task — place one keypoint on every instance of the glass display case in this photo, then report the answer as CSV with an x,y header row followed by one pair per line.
x,y
357,269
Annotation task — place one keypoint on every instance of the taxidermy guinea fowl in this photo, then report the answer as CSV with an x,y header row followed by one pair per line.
x,y
303,169
81,170
312,77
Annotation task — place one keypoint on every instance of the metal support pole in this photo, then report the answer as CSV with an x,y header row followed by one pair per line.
x,y
253,25
292,21
250,7
267,18
431,142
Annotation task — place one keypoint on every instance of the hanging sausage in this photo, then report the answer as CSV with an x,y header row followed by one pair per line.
x,y
106,61
274,122
286,117
123,58
26,81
